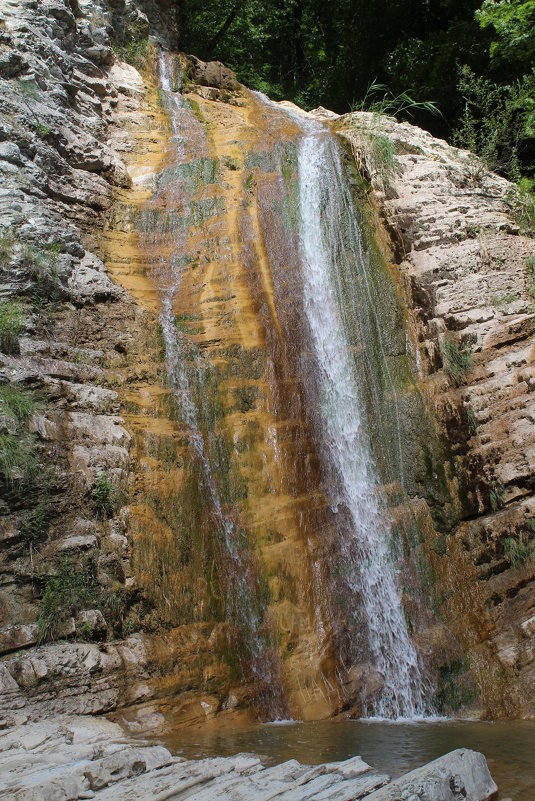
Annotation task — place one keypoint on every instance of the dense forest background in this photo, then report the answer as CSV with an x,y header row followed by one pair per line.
x,y
475,61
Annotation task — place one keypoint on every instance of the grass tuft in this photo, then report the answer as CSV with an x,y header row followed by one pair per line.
x,y
11,324
457,359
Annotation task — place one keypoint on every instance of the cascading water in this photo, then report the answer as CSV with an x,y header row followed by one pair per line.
x,y
277,363
326,220
187,375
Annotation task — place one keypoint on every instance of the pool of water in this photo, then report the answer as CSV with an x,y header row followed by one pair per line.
x,y
391,747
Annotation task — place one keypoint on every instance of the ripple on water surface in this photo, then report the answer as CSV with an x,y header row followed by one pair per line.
x,y
391,747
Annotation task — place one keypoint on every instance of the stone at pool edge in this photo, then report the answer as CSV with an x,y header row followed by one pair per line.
x,y
460,775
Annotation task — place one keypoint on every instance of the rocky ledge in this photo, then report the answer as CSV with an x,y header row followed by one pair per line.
x,y
74,758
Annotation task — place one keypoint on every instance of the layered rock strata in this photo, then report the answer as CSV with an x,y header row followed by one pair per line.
x,y
80,758
102,520
76,351
458,242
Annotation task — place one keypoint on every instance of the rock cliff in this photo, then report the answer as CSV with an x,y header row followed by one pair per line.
x,y
99,501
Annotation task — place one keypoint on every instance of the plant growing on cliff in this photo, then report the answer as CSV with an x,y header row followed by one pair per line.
x,y
134,52
457,359
16,403
104,496
42,266
7,243
519,549
73,587
380,99
35,525
18,462
530,276
11,324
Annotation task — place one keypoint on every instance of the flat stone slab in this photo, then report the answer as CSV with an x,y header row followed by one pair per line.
x,y
72,758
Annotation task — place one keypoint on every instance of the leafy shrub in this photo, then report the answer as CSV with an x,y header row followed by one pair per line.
x,y
42,265
42,129
11,324
104,496
135,52
495,120
35,526
458,359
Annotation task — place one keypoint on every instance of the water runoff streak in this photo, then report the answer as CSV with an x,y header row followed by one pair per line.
x,y
185,369
329,236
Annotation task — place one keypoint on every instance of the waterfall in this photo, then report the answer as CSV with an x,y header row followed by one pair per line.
x,y
328,235
187,376
286,265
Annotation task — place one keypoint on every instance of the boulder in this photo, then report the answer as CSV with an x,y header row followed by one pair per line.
x,y
211,73
461,775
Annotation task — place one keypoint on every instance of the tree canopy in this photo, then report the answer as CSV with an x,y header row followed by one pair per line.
x,y
473,59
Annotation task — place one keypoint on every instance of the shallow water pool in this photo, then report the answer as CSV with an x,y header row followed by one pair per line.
x,y
393,748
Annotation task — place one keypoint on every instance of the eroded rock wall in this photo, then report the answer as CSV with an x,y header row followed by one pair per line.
x,y
458,239
76,348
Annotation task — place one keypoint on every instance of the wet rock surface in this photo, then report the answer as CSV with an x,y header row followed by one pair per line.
x,y
76,758
75,348
465,265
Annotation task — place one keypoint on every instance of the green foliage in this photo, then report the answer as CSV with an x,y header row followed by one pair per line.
x,y
104,496
42,265
519,549
11,324
134,52
74,587
513,22
16,403
7,243
504,299
522,200
380,156
382,100
35,525
457,359
18,462
495,122
41,129
530,277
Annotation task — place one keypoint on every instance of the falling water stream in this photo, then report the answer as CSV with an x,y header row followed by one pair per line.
x,y
304,562
325,214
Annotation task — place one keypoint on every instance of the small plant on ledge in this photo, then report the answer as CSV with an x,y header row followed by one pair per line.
x,y
11,324
519,549
457,358
104,496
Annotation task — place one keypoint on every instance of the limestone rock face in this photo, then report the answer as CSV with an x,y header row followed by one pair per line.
x,y
82,350
464,262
